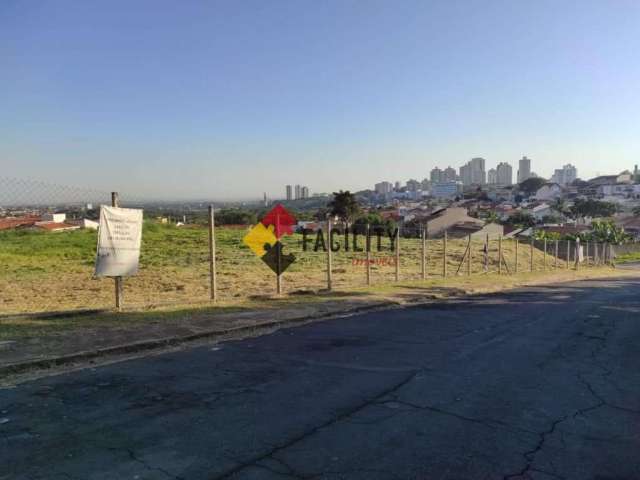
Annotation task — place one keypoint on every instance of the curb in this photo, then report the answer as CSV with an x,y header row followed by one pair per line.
x,y
148,345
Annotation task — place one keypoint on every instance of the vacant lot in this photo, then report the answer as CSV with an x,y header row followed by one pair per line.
x,y
54,271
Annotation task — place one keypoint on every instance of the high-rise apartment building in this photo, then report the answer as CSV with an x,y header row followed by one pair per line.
x,y
492,176
565,175
383,188
305,192
289,192
297,193
436,175
473,172
524,169
504,174
413,185
450,174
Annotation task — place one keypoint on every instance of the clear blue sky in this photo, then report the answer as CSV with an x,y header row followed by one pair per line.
x,y
230,99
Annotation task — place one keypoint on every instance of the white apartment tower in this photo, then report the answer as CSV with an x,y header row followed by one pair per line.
x,y
524,169
565,175
504,174
473,172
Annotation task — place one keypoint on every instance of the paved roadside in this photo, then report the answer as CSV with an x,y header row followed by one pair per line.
x,y
538,383
100,338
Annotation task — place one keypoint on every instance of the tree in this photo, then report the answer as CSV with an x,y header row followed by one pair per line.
x,y
235,216
374,220
593,208
607,231
344,206
532,185
522,219
492,217
560,205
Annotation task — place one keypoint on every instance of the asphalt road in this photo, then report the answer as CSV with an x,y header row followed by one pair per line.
x,y
541,383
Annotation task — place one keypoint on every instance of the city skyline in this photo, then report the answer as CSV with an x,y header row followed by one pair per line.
x,y
184,100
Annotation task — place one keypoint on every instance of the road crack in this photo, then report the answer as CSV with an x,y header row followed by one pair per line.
x,y
312,431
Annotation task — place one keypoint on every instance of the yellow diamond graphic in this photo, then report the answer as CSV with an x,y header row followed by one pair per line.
x,y
258,236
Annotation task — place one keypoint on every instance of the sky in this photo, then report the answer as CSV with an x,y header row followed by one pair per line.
x,y
230,99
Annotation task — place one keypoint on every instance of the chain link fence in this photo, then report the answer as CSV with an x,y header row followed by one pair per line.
x,y
47,259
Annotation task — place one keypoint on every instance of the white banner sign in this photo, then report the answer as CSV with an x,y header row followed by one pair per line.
x,y
119,240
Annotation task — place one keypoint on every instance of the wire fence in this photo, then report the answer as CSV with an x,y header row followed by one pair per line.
x,y
47,260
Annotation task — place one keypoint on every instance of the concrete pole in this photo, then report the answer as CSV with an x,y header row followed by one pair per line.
x,y
544,261
568,253
555,260
500,255
516,266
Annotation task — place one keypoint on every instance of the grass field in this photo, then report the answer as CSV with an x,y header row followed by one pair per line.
x,y
41,272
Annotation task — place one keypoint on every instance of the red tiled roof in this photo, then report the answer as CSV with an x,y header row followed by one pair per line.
x,y
14,222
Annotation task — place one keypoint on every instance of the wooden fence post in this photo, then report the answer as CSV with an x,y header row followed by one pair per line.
x,y
279,252
212,255
444,256
555,260
469,258
531,259
368,248
568,253
486,254
586,255
329,266
516,266
544,257
500,255
424,253
577,254
398,255
119,283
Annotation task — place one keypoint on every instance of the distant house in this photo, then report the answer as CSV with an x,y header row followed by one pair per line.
x,y
549,191
631,225
55,226
446,218
84,223
476,230
309,226
605,184
541,211
9,223
54,217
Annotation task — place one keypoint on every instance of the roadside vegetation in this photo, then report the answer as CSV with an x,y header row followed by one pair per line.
x,y
54,271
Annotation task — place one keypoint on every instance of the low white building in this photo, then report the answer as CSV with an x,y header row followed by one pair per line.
x,y
541,211
54,217
549,191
